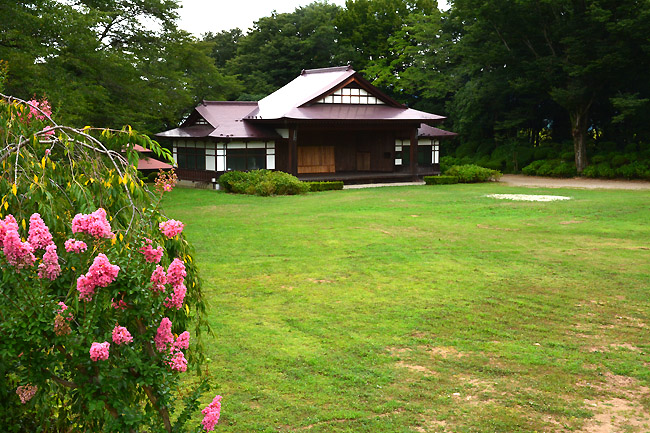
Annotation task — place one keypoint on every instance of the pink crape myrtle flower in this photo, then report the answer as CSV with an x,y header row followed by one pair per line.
x,y
48,131
159,279
152,255
63,309
19,254
164,335
6,224
50,267
211,414
178,362
121,335
182,342
176,301
36,109
39,233
75,246
100,274
176,272
171,228
99,351
26,392
94,224
119,305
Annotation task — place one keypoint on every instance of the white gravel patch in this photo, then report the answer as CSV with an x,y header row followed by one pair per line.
x,y
528,197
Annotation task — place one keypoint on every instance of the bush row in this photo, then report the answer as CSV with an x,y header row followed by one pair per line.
x,y
471,173
440,180
325,186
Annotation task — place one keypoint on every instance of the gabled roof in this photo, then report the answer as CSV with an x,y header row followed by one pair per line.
x,y
224,120
309,97
299,100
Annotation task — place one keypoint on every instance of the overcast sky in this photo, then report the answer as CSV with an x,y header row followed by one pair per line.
x,y
201,16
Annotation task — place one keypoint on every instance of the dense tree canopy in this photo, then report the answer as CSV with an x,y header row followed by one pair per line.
x,y
513,76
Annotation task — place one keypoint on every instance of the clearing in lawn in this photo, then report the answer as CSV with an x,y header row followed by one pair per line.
x,y
426,309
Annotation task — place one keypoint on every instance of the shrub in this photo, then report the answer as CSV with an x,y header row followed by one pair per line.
x,y
325,186
471,173
262,183
151,177
84,328
440,180
531,169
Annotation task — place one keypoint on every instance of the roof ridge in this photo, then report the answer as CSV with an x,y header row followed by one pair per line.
x,y
322,70
204,102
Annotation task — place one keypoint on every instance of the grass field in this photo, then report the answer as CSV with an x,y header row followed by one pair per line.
x,y
426,309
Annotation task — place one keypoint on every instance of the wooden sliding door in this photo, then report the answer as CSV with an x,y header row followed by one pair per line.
x,y
316,159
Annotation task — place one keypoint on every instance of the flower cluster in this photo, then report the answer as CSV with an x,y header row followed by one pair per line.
x,y
100,274
39,109
159,279
176,301
75,246
150,254
39,233
99,351
164,335
211,414
8,223
50,267
94,224
166,181
176,272
26,392
121,335
19,254
171,228
165,342
178,362
183,341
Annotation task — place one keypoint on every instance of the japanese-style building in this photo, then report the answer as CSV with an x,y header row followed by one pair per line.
x,y
327,124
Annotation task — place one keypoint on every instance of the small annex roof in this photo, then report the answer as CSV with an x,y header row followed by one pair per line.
x,y
220,119
430,131
302,99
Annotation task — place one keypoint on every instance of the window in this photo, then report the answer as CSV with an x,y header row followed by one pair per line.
x,y
191,158
245,159
424,155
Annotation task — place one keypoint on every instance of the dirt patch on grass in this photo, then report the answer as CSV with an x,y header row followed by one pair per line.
x,y
445,352
419,368
483,226
622,408
571,222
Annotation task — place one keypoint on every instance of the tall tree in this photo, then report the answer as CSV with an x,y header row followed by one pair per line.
x,y
98,57
576,52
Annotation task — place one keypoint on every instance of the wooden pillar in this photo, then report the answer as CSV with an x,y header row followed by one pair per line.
x,y
414,152
293,152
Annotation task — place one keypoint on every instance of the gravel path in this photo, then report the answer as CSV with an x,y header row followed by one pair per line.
x,y
576,182
541,182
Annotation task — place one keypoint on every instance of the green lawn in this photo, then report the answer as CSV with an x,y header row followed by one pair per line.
x,y
413,309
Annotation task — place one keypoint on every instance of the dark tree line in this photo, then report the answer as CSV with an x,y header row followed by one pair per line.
x,y
519,80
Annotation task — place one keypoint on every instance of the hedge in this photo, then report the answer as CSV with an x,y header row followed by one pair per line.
x,y
325,186
471,173
262,183
440,180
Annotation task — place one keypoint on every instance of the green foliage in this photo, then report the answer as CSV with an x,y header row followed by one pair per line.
x,y
471,173
58,176
440,180
325,186
100,64
262,183
151,177
550,167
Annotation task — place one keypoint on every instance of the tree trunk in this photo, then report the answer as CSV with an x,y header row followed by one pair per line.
x,y
579,121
